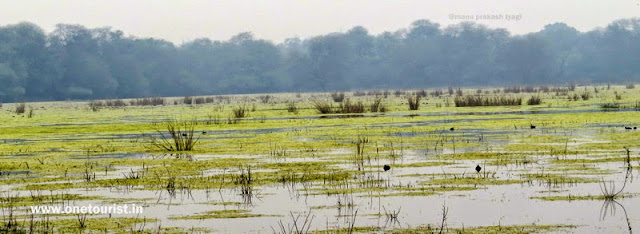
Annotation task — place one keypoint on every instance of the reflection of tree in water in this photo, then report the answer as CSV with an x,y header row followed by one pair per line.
x,y
610,194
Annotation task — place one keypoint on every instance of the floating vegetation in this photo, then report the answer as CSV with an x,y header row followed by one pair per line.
x,y
301,154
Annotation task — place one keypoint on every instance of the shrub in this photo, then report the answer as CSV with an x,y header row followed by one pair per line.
x,y
20,108
585,96
115,103
630,86
337,97
240,111
376,105
292,108
95,105
397,93
187,100
148,101
414,102
359,93
180,136
610,106
199,100
437,93
348,107
534,100
323,107
486,101
265,98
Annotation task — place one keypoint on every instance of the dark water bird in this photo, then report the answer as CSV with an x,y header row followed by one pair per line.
x,y
627,128
478,168
184,134
204,132
533,126
451,129
386,167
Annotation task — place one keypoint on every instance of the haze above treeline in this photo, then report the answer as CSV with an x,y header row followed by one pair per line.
x,y
75,62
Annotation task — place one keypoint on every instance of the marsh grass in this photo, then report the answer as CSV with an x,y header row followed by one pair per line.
x,y
359,158
148,101
470,101
337,97
611,105
377,105
323,107
297,225
414,102
187,100
618,96
265,98
20,108
240,111
245,182
350,107
179,136
534,100
292,107
392,215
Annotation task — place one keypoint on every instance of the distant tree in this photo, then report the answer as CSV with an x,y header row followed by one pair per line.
x,y
75,62
526,60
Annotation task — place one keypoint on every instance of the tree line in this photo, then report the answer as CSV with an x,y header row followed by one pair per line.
x,y
75,62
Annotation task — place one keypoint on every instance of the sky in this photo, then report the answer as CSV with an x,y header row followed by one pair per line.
x,y
180,21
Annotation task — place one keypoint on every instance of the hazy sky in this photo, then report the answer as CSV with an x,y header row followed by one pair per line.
x,y
184,20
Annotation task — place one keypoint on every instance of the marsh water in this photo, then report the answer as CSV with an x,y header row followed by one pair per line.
x,y
327,172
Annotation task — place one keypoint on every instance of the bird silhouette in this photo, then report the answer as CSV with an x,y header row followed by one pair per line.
x,y
533,126
478,168
386,167
184,134
451,129
627,127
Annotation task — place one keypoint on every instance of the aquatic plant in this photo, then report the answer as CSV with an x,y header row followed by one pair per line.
x,y
323,107
179,136
240,111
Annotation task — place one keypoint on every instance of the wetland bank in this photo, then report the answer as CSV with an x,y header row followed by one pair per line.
x,y
561,159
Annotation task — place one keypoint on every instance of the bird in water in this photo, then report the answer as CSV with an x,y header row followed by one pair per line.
x,y
452,129
478,168
386,167
533,126
184,134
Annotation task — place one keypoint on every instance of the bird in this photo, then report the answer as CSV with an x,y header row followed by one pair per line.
x,y
204,133
533,126
634,128
451,129
184,134
386,167
627,127
478,168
